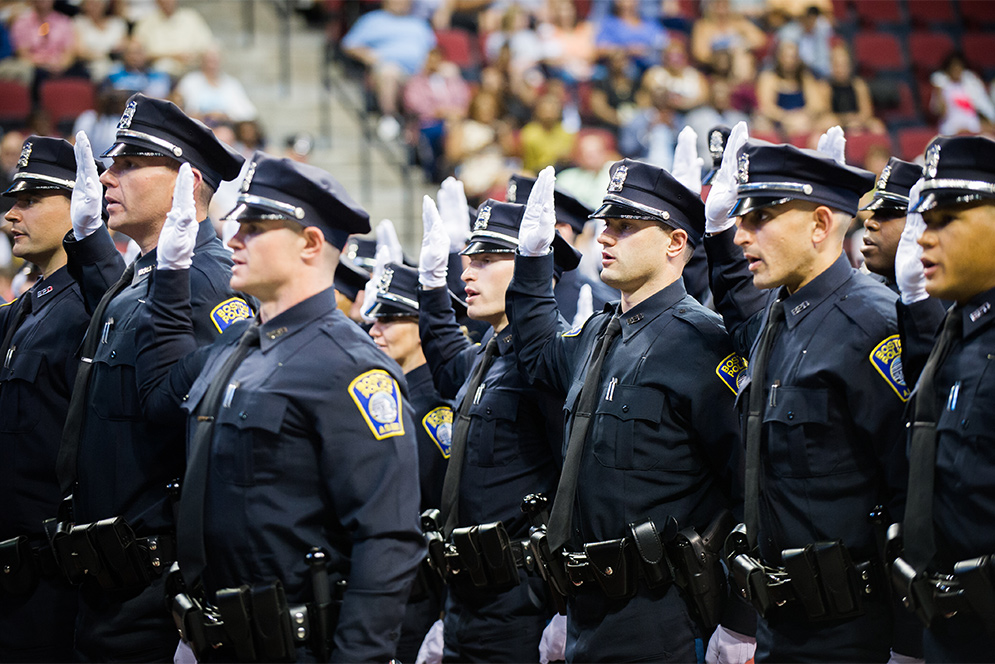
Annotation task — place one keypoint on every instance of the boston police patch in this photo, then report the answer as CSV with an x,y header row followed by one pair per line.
x,y
231,310
729,369
439,425
887,359
379,400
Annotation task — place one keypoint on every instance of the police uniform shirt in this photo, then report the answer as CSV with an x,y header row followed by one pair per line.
x,y
834,392
314,447
433,423
124,460
567,290
512,444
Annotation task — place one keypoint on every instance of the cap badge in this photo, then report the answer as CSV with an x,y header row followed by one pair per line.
x,y
385,279
932,161
512,191
483,216
247,180
128,115
744,168
883,180
22,162
618,179
715,144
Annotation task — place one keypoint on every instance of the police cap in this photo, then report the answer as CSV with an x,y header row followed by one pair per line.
x,y
641,191
958,169
891,193
281,188
568,209
771,174
717,138
45,163
156,127
496,231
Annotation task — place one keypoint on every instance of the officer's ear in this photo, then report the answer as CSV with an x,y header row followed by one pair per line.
x,y
314,244
824,224
678,243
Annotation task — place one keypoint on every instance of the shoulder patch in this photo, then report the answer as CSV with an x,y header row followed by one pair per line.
x,y
574,331
230,311
887,359
438,422
378,398
729,370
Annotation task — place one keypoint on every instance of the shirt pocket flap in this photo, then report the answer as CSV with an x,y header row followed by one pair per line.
x,y
797,405
496,405
23,366
254,410
633,402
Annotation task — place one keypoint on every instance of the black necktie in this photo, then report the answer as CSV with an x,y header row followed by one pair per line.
x,y
450,485
190,521
755,419
73,430
24,308
920,538
561,515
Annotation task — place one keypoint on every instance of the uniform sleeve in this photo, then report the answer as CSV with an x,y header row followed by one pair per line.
x,y
95,263
214,305
737,300
544,354
371,473
447,350
918,325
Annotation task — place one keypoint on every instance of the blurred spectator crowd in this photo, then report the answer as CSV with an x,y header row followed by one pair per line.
x,y
482,89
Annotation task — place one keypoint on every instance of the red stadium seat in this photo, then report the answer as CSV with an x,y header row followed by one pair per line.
x,y
928,50
912,141
858,145
875,13
878,52
979,51
977,13
65,98
905,110
15,103
457,46
930,13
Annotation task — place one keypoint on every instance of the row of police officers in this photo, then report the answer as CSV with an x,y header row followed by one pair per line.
x,y
203,442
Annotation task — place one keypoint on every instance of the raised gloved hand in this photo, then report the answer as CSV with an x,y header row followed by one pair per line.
x,y
453,210
88,194
179,234
729,647
539,222
553,644
387,237
722,196
383,257
833,143
431,648
229,229
433,264
687,163
909,272
585,306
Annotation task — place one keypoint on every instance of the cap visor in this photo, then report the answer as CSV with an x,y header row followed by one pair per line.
x,y
25,185
617,211
134,150
488,247
390,309
246,212
943,197
751,203
885,208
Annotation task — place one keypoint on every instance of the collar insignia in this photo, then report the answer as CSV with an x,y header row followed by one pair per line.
x,y
128,115
618,179
25,156
932,161
979,312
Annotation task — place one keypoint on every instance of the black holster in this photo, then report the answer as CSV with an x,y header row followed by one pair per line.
x,y
485,555
697,564
550,566
19,568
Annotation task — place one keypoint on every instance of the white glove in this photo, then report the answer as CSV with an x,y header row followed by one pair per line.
x,y
687,163
453,210
539,222
383,256
585,306
432,646
553,644
184,654
229,229
722,196
729,647
387,237
899,658
833,143
88,194
433,264
909,272
179,234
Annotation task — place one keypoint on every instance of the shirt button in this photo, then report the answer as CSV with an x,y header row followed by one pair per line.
x,y
488,411
791,415
113,353
625,408
963,424
243,415
186,397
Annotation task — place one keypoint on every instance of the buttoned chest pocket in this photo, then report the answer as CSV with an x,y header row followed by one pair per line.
x,y
492,441
20,407
801,441
113,389
624,427
966,431
247,437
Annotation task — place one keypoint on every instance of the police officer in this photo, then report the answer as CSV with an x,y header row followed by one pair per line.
x,y
395,331
884,226
299,433
571,216
112,461
822,402
662,436
505,431
947,254
41,331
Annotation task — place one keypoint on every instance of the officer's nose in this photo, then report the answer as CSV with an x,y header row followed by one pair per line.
x,y
107,178
871,224
469,274
742,237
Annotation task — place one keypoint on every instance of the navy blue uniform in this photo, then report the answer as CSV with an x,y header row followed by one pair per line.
x,y
567,290
35,384
511,452
963,491
663,441
832,436
299,458
124,462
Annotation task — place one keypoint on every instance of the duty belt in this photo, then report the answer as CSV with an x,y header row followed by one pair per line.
x,y
820,579
23,563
